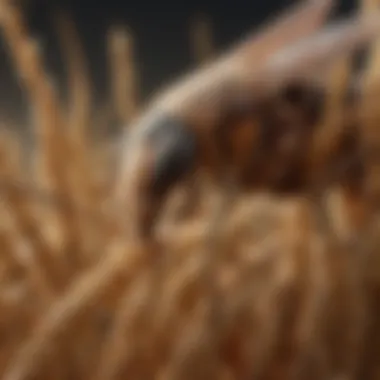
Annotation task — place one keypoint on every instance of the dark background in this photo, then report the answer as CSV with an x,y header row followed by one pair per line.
x,y
160,28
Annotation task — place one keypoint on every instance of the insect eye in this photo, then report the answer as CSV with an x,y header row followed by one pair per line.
x,y
174,149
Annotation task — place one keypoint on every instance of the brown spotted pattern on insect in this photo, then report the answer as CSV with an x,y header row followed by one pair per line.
x,y
251,114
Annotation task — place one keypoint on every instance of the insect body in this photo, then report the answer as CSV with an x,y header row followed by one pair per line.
x,y
249,115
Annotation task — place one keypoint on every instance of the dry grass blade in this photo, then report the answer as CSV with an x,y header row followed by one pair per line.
x,y
48,120
44,270
73,304
52,154
81,172
79,82
123,73
123,345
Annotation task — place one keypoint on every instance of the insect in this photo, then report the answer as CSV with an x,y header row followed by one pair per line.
x,y
248,116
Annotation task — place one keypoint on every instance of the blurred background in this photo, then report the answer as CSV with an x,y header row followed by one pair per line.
x,y
161,38
278,294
